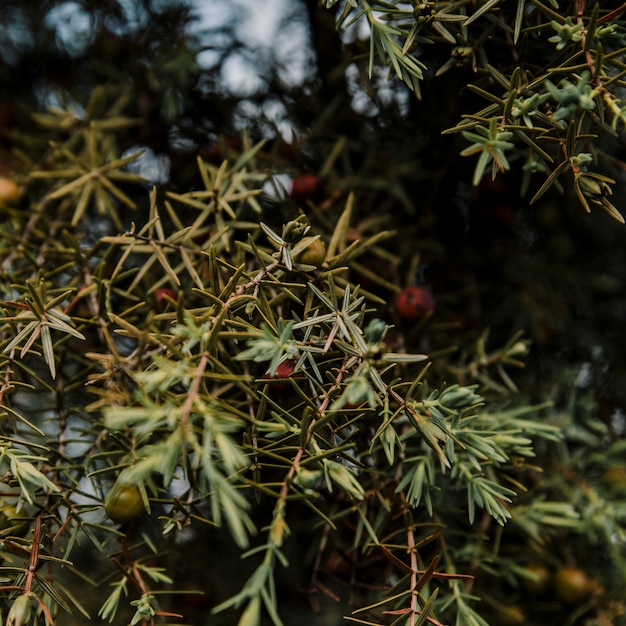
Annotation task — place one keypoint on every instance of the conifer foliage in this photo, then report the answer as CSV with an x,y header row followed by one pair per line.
x,y
337,349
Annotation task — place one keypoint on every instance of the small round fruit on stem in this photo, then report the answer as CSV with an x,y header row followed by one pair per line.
x,y
10,193
305,187
124,503
162,297
313,254
284,371
413,303
572,585
12,523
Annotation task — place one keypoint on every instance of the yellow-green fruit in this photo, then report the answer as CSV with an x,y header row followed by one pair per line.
x,y
11,522
313,254
511,616
9,192
572,585
124,503
615,477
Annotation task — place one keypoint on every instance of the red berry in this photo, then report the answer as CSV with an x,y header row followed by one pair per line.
x,y
163,295
413,303
285,369
283,372
305,187
352,405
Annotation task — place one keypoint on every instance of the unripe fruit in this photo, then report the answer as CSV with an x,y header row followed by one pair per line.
x,y
413,303
615,477
572,585
9,192
124,503
305,187
313,254
11,522
511,616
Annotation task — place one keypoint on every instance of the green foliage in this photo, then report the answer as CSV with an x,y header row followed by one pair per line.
x,y
489,37
42,318
190,395
169,345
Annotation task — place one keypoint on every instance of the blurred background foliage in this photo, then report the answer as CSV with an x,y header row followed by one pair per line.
x,y
113,112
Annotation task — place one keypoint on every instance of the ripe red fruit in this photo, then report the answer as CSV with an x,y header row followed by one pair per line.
x,y
163,295
413,303
283,371
305,187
